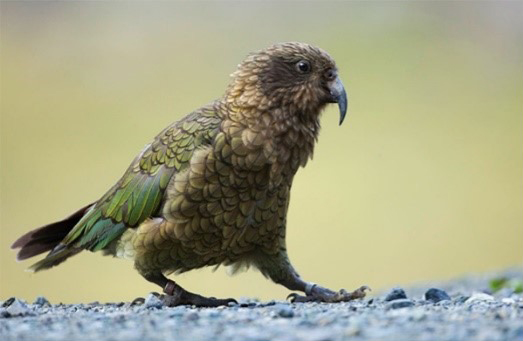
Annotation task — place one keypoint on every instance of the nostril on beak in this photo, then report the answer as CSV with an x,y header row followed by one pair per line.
x,y
330,74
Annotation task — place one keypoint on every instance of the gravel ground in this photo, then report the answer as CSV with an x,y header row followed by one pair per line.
x,y
463,309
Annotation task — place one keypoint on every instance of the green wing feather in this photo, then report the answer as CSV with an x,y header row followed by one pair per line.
x,y
140,192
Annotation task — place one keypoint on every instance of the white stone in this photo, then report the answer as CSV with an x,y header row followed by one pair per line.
x,y
17,308
479,297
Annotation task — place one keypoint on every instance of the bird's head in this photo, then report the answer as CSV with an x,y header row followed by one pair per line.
x,y
297,77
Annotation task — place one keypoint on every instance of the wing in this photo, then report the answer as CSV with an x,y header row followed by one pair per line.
x,y
139,193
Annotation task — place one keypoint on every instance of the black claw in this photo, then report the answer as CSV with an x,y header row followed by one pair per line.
x,y
292,297
295,298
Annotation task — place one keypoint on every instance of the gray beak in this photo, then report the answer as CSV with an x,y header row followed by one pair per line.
x,y
338,95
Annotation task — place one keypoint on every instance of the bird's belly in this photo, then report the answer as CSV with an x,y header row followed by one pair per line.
x,y
182,246
224,236
215,213
223,230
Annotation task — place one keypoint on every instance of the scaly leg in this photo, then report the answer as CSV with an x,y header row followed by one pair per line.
x,y
280,270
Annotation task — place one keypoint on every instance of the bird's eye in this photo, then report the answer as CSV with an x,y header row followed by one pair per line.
x,y
303,66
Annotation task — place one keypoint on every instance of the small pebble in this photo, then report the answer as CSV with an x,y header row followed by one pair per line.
x,y
192,316
18,308
352,331
508,300
401,303
152,301
284,310
461,299
435,295
138,301
42,301
479,297
395,294
8,302
4,313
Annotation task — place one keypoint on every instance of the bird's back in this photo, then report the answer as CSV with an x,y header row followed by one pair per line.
x,y
140,193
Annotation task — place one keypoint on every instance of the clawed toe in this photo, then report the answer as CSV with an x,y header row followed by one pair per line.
x,y
296,298
344,296
195,300
175,295
327,297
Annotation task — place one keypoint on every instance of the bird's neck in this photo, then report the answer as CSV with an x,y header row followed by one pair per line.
x,y
283,137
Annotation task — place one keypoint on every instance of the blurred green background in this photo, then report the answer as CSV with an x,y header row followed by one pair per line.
x,y
424,181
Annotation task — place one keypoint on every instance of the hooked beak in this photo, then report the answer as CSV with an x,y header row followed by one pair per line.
x,y
338,95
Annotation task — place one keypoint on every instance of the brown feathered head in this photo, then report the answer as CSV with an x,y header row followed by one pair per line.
x,y
298,77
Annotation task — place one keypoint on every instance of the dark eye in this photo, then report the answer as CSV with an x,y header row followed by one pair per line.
x,y
303,66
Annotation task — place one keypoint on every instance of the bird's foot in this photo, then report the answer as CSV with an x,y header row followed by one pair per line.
x,y
194,299
320,294
175,295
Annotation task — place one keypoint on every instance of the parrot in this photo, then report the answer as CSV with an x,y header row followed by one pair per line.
x,y
214,187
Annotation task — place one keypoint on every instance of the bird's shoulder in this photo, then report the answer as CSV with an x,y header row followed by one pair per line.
x,y
175,145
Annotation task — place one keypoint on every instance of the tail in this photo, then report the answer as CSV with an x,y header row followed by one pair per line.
x,y
47,238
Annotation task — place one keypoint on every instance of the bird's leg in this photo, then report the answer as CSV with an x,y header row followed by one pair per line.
x,y
175,295
280,270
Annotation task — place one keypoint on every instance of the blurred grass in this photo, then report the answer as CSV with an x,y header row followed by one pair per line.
x,y
424,181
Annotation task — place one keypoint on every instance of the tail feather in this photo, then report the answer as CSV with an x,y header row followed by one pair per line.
x,y
58,255
47,237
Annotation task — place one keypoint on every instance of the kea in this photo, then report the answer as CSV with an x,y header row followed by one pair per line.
x,y
213,188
